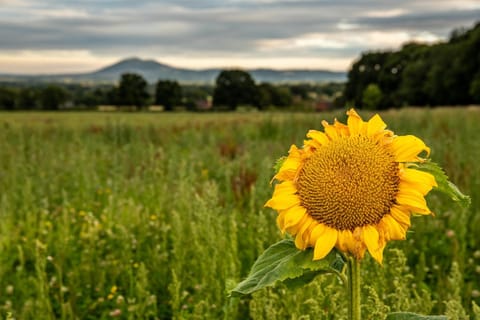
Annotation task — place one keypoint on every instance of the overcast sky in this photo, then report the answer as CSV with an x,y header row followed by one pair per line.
x,y
54,36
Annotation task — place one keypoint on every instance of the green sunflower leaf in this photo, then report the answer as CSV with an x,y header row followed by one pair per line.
x,y
279,163
444,185
412,316
284,262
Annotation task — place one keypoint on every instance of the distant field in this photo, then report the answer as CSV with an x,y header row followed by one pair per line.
x,y
156,216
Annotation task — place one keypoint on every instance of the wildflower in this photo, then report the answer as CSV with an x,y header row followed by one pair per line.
x,y
115,313
353,187
113,290
9,289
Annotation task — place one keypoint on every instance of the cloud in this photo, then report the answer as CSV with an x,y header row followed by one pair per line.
x,y
218,31
60,61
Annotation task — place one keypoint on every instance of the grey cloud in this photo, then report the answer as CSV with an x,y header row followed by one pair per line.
x,y
215,26
439,23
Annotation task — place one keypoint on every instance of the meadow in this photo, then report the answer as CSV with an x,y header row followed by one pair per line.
x,y
158,216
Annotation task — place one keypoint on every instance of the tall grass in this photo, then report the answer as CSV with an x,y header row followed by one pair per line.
x,y
157,216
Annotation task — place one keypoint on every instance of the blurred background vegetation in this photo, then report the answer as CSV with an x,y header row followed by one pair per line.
x,y
157,216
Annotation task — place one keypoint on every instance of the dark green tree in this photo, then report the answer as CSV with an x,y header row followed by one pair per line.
x,y
420,74
234,87
264,96
28,99
168,94
363,72
372,96
53,97
132,91
281,96
475,89
7,98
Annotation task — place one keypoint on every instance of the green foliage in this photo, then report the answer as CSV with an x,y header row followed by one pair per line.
x,y
371,97
132,91
476,310
284,262
419,74
7,98
52,97
234,87
169,210
269,95
27,99
412,316
444,185
168,94
475,89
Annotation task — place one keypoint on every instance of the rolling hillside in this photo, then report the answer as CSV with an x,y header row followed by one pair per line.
x,y
152,70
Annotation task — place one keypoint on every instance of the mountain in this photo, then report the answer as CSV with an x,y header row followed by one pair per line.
x,y
152,70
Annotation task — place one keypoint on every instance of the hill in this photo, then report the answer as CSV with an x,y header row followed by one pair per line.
x,y
152,70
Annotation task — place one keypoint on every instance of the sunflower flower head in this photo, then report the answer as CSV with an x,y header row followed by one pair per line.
x,y
353,187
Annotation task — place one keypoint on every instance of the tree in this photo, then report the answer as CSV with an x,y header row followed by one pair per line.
x,y
440,74
52,97
132,91
372,96
475,89
234,87
7,98
27,99
264,96
168,94
281,96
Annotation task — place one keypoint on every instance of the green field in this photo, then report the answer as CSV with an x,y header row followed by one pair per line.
x,y
157,216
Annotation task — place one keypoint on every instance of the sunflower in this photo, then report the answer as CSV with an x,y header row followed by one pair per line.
x,y
353,187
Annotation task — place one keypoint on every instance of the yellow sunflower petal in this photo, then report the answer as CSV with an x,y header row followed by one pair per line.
x,y
418,180
299,243
307,229
284,202
342,129
371,239
311,144
314,232
407,148
318,136
401,216
284,189
330,130
375,125
281,220
294,215
285,175
393,229
355,122
345,241
325,243
359,246
290,165
414,200
295,228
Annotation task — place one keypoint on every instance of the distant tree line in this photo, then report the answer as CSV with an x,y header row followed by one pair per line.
x,y
233,88
419,74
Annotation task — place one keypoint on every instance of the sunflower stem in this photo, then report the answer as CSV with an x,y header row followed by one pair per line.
x,y
354,310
